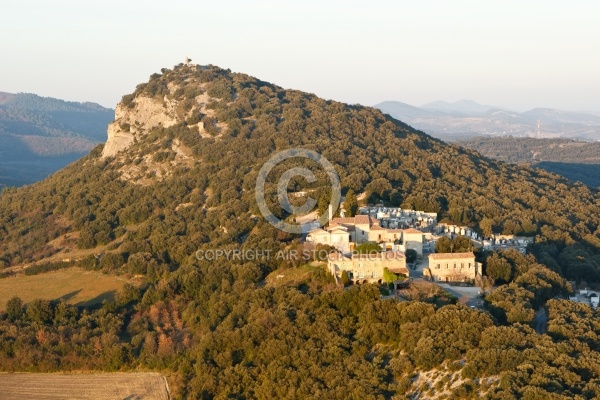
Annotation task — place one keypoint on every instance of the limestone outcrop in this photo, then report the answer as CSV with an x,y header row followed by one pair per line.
x,y
135,120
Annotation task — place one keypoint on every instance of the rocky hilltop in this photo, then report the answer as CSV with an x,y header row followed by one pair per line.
x,y
134,120
178,176
144,110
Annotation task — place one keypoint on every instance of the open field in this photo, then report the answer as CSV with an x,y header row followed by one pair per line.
x,y
291,276
104,386
74,285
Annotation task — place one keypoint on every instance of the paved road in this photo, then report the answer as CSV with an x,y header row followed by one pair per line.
x,y
469,295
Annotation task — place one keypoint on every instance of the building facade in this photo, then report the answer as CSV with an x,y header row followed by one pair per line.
x,y
345,233
367,268
453,267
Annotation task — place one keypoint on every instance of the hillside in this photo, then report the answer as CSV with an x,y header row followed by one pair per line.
x,y
178,174
465,119
577,161
40,135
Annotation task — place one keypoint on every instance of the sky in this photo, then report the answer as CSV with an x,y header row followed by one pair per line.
x,y
516,54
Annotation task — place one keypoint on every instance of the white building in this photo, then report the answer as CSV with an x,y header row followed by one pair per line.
x,y
345,233
453,267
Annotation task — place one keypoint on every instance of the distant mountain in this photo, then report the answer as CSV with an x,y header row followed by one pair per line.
x,y
467,107
406,110
575,160
467,119
564,117
40,135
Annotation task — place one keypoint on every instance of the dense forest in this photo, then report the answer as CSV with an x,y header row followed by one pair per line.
x,y
219,332
575,160
40,135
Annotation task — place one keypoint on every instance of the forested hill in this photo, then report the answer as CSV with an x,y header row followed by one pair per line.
x,y
178,174
577,161
40,135
224,126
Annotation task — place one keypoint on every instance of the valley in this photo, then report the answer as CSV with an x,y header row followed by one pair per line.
x,y
575,160
465,119
39,136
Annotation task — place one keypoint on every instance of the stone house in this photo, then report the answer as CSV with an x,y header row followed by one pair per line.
x,y
367,268
345,233
453,267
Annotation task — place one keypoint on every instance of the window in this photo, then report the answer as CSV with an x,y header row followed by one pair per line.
x,y
462,265
469,265
438,266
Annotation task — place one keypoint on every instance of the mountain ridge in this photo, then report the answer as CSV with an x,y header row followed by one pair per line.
x,y
467,119
39,135
465,107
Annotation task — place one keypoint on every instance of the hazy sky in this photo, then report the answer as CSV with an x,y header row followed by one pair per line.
x,y
519,54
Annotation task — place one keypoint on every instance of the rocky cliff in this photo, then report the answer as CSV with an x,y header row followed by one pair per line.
x,y
164,104
136,119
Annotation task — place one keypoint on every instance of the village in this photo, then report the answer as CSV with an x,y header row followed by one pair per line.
x,y
385,245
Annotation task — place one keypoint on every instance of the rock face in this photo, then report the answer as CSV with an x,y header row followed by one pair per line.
x,y
135,120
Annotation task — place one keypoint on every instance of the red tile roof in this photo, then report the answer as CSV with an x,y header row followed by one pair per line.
x,y
359,219
362,219
451,256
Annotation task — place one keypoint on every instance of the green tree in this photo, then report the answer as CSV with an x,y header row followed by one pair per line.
x,y
345,278
389,276
498,268
486,225
323,202
351,204
14,309
457,245
39,311
443,245
411,255
461,244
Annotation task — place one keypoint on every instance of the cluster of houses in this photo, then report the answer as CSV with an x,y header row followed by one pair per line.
x,y
494,242
344,234
395,217
455,230
507,241
586,296
396,231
